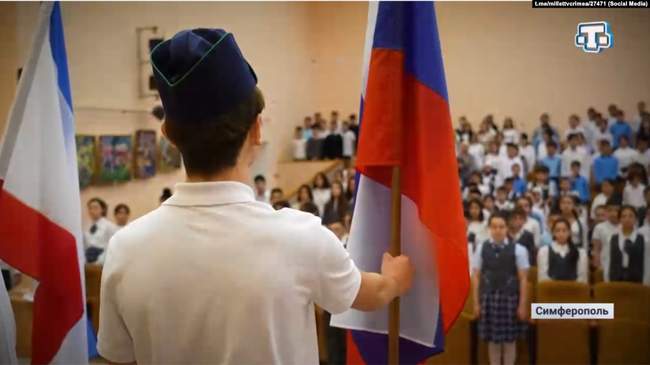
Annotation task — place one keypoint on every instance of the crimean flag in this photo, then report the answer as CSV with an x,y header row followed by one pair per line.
x,y
406,122
40,209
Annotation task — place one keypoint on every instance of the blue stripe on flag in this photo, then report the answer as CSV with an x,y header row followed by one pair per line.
x,y
57,43
411,27
372,347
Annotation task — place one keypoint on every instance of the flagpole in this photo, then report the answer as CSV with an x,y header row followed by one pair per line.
x,y
395,250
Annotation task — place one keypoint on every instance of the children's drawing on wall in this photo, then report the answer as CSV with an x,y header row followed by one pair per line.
x,y
86,159
145,153
115,154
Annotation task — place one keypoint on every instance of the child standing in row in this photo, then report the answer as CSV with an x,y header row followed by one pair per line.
x,y
562,260
499,278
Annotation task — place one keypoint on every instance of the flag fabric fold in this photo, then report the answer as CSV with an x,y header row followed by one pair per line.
x,y
406,122
40,209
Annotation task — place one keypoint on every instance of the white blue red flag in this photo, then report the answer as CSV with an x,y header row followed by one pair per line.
x,y
406,122
40,209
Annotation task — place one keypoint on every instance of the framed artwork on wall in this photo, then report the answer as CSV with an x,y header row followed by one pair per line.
x,y
115,158
86,159
145,153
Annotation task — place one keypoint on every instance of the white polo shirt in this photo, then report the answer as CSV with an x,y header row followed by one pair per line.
x,y
214,277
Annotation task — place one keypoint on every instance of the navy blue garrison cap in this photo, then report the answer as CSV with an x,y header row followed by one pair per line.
x,y
201,74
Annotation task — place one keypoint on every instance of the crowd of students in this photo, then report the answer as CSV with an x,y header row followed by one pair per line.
x,y
332,201
319,139
569,204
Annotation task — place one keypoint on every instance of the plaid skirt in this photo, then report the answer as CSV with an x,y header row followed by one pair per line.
x,y
498,321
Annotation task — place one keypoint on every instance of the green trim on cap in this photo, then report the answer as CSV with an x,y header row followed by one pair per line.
x,y
170,84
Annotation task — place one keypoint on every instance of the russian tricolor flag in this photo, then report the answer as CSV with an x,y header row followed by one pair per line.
x,y
40,209
406,123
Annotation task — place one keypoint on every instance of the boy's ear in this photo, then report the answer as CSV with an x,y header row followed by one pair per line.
x,y
255,133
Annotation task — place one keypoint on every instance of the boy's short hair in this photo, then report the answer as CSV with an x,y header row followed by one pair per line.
x,y
518,212
209,146
502,189
497,215
122,206
512,145
542,168
260,178
551,144
575,163
614,201
276,190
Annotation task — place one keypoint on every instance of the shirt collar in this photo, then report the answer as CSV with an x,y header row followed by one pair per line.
x,y
631,237
210,193
560,249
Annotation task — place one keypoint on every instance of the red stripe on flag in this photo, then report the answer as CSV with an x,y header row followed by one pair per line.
x,y
420,139
352,357
45,251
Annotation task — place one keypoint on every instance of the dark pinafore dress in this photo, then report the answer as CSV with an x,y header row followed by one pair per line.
x,y
499,294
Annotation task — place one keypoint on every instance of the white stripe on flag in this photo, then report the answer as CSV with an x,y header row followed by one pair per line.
x,y
369,239
373,6
7,329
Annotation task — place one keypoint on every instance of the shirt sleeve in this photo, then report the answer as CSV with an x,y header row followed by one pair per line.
x,y
542,263
114,342
583,267
521,256
339,279
476,258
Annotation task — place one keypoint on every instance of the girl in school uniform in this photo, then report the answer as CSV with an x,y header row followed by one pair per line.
x,y
627,256
568,210
499,278
100,231
562,260
476,225
321,192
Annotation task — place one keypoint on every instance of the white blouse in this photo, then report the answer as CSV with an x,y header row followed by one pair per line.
x,y
321,197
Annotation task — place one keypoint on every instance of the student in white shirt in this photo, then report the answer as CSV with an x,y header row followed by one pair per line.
x,y
626,258
562,260
579,229
510,134
531,225
625,155
606,191
262,194
121,215
527,152
600,132
574,153
99,232
322,191
248,276
636,122
575,127
477,150
299,145
643,156
603,232
477,231
349,141
633,193
505,165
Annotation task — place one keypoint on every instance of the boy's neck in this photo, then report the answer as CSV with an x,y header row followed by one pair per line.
x,y
237,173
